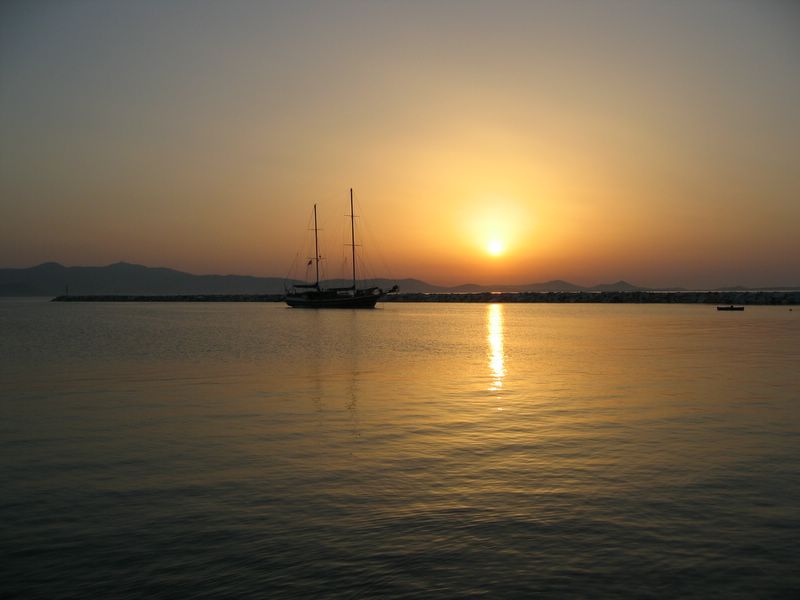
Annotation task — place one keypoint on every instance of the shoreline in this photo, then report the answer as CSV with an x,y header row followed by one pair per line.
x,y
750,298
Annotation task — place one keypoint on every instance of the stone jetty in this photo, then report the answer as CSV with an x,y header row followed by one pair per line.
x,y
750,298
637,297
172,298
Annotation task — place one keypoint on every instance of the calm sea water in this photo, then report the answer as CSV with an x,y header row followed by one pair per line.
x,y
414,451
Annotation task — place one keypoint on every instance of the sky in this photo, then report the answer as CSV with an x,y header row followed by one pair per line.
x,y
486,142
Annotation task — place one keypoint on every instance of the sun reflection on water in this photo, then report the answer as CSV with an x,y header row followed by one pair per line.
x,y
494,324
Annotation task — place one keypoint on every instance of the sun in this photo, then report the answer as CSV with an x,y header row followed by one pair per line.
x,y
495,247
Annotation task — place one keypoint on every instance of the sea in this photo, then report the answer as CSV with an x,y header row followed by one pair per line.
x,y
418,450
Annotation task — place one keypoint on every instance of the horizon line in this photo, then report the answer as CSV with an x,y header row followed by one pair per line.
x,y
484,285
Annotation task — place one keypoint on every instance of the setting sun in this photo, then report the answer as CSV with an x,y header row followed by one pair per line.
x,y
495,247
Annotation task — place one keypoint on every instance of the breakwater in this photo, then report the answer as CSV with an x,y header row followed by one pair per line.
x,y
753,298
638,297
172,298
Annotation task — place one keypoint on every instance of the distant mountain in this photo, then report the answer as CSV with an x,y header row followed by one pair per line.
x,y
418,286
466,288
557,285
619,286
415,286
52,279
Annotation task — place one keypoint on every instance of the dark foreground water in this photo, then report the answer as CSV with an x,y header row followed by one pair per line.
x,y
415,451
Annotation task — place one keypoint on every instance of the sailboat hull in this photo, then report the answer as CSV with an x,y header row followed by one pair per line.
x,y
327,300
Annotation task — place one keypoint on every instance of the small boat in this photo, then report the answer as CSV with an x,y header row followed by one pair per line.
x,y
312,295
731,307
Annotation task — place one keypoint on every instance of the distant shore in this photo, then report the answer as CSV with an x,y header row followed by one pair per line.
x,y
752,298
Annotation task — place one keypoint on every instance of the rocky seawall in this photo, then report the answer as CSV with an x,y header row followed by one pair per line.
x,y
173,298
763,298
639,297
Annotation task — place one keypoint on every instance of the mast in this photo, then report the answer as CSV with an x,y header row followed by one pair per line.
x,y
316,246
353,237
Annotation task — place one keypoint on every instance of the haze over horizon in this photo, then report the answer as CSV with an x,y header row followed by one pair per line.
x,y
495,143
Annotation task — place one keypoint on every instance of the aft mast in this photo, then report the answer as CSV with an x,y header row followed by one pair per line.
x,y
316,246
353,237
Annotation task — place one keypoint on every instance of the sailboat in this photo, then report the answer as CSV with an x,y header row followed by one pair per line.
x,y
312,295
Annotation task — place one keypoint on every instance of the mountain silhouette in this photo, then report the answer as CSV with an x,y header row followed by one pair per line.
x,y
52,279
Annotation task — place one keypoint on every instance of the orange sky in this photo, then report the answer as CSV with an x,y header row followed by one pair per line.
x,y
653,142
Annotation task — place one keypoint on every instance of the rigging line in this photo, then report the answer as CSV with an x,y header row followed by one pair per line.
x,y
323,224
364,250
369,242
303,244
344,261
306,243
374,246
292,267
365,267
295,263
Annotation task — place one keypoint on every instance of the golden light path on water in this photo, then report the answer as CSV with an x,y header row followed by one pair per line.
x,y
494,324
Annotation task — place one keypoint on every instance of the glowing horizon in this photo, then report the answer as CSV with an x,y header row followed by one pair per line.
x,y
495,143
